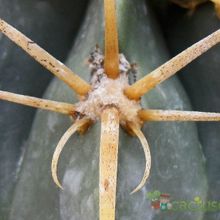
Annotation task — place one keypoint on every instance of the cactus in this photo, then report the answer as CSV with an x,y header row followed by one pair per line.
x,y
111,99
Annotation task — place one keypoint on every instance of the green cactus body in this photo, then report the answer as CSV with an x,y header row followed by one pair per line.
x,y
177,166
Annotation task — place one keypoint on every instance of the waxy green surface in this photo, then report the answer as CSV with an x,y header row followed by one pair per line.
x,y
178,163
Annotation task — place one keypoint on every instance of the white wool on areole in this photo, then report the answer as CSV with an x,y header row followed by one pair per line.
x,y
109,92
106,91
